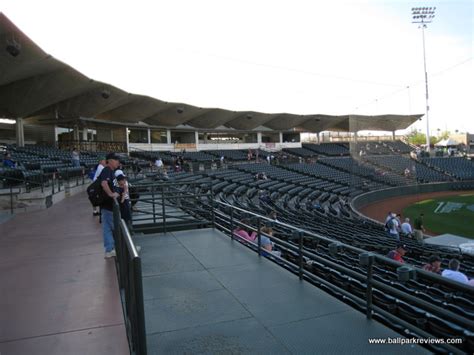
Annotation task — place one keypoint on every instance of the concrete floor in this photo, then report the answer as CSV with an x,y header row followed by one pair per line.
x,y
58,293
206,294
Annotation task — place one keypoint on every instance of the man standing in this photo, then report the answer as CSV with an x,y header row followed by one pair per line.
x,y
406,228
419,228
106,179
76,162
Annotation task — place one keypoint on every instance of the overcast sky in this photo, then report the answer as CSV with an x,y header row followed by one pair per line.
x,y
302,57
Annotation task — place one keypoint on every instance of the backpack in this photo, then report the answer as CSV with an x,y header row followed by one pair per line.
x,y
389,225
96,193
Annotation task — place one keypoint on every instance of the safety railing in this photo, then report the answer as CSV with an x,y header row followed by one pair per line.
x,y
48,183
228,218
93,146
168,204
129,273
308,262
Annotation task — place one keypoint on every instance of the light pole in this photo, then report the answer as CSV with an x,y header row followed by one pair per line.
x,y
423,16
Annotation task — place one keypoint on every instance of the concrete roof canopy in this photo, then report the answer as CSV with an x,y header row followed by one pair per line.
x,y
37,87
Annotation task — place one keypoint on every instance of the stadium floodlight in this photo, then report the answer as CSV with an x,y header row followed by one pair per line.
x,y
13,48
423,16
105,94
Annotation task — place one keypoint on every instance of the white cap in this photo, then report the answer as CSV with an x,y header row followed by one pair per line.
x,y
119,172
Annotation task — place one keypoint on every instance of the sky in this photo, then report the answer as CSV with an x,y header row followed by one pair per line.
x,y
303,57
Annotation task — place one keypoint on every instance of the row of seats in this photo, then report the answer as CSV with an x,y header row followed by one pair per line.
x,y
461,168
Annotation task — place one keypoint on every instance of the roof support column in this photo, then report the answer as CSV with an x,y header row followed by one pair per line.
x,y
281,137
148,136
168,136
20,133
196,138
259,137
393,135
127,139
84,134
319,137
75,133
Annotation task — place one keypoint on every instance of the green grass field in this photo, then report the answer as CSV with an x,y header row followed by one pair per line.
x,y
450,214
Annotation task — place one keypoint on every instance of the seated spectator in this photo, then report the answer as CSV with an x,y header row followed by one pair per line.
x,y
406,228
8,162
243,233
159,164
273,215
453,273
265,241
264,197
398,253
434,264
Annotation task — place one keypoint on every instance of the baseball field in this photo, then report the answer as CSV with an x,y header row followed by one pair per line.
x,y
449,214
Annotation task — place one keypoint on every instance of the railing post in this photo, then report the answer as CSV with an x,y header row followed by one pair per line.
x,y
300,255
369,287
232,223
11,199
259,236
213,215
153,203
141,331
367,259
163,208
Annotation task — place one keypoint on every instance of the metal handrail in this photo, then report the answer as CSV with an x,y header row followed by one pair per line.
x,y
221,218
382,258
129,273
370,308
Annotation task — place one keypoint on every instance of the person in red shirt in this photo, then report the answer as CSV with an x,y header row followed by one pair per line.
x,y
398,253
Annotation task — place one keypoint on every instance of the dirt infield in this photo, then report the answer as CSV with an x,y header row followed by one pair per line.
x,y
378,210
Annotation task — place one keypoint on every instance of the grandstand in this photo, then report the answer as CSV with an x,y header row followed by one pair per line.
x,y
318,235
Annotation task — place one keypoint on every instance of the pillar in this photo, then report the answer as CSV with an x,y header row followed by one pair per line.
x,y
393,135
148,136
20,133
75,133
127,141
84,134
168,136
281,137
196,138
259,137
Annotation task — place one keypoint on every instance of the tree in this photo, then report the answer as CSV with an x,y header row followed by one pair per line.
x,y
418,138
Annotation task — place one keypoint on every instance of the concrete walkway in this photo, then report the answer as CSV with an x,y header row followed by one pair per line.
x,y
58,294
207,295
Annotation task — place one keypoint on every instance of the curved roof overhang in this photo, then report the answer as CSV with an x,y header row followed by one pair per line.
x,y
34,84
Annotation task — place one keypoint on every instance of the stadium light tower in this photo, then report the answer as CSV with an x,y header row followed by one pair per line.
x,y
423,16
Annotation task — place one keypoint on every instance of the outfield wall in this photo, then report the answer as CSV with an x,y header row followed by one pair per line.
x,y
367,198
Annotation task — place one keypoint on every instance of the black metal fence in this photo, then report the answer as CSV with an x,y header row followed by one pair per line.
x,y
309,264
129,273
166,206
49,184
